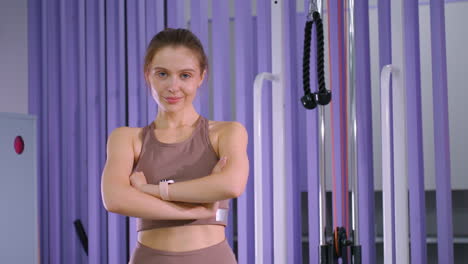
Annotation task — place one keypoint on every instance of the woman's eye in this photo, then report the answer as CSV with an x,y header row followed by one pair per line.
x,y
161,74
185,76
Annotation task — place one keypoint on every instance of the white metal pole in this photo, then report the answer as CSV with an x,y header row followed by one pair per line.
x,y
387,196
322,173
258,163
400,171
400,196
278,126
353,155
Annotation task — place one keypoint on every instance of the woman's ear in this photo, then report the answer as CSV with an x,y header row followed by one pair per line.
x,y
147,82
146,77
203,75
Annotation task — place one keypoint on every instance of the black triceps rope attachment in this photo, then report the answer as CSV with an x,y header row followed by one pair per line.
x,y
323,96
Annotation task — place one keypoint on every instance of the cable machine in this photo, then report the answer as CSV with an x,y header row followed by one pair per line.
x,y
334,242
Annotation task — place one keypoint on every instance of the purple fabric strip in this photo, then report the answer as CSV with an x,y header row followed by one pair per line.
x,y
154,24
294,234
221,45
82,182
96,130
53,128
301,113
175,14
385,58
136,45
37,95
414,126
244,62
364,157
263,51
115,94
441,134
199,26
69,106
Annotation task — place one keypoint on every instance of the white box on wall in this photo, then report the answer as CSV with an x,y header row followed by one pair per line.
x,y
19,223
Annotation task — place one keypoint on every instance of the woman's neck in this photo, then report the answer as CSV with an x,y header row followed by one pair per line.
x,y
165,120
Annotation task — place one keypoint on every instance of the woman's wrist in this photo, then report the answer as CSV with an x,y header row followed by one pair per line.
x,y
151,189
164,189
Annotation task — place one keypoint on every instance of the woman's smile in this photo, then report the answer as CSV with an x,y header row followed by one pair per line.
x,y
172,100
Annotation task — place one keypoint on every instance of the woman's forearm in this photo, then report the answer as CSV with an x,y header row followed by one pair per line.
x,y
134,203
151,189
209,189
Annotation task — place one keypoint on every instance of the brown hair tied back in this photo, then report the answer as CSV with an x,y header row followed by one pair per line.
x,y
176,37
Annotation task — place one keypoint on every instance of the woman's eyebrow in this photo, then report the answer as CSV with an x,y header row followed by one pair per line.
x,y
158,68
182,70
187,70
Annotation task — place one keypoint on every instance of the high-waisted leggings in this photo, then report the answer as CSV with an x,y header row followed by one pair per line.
x,y
220,253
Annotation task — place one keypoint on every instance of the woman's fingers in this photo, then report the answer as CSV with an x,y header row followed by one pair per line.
x,y
221,163
137,178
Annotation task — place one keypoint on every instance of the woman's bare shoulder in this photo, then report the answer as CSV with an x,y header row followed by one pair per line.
x,y
125,132
131,135
126,138
222,127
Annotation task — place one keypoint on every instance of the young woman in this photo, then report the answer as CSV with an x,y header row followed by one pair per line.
x,y
177,174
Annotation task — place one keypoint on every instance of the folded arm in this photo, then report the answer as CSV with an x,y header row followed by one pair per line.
x,y
120,197
226,183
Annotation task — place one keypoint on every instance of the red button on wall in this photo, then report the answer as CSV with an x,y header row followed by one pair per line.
x,y
19,145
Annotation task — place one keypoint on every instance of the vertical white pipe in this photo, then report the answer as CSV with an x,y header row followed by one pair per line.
x,y
258,164
400,172
386,164
399,106
400,168
278,126
322,173
353,124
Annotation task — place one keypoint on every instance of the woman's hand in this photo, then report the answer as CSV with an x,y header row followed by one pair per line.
x,y
199,211
219,166
207,210
138,179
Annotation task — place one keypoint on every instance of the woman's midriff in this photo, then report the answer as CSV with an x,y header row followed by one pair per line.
x,y
182,238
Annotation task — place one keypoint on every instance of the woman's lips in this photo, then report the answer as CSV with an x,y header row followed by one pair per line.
x,y
172,100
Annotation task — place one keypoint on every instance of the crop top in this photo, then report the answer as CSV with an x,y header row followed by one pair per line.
x,y
182,161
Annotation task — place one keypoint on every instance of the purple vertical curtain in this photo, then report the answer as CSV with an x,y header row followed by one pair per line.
x,y
95,127
244,70
116,86
412,80
86,65
292,104
365,164
441,134
199,26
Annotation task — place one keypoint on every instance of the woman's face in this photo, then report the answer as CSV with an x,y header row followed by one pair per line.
x,y
174,76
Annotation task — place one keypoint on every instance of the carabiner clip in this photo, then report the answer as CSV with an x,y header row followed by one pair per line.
x,y
312,8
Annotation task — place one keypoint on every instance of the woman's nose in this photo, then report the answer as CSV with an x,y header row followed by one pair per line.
x,y
173,85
